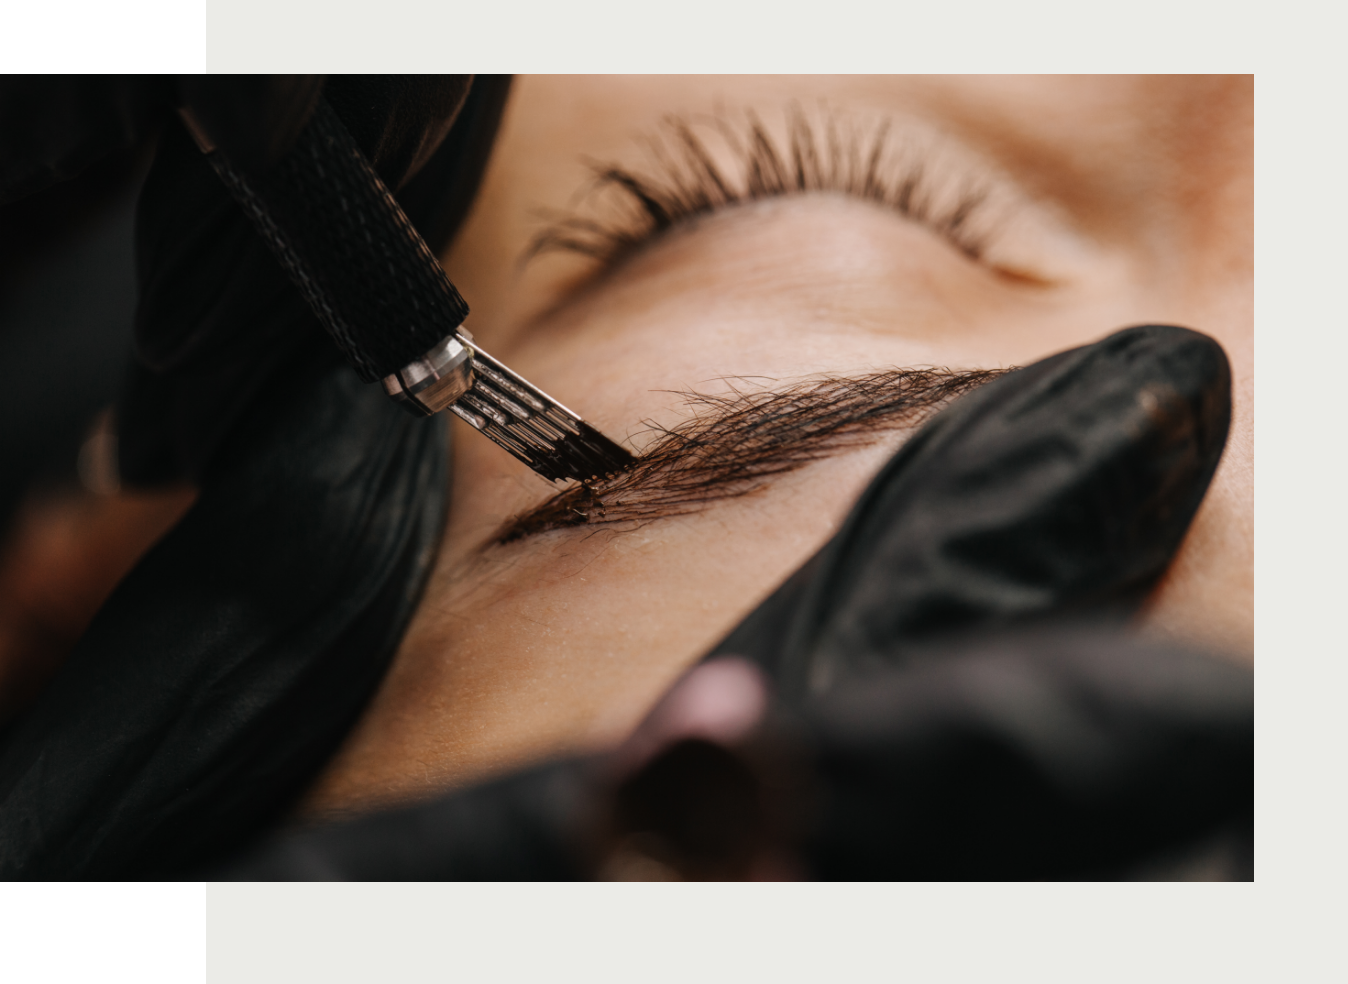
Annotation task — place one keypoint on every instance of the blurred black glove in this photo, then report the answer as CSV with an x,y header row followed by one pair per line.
x,y
228,665
1031,755
1047,755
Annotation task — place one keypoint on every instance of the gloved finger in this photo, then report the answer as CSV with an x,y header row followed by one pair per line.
x,y
1039,756
1061,489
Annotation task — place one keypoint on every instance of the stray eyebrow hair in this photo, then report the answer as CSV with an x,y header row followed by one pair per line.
x,y
733,443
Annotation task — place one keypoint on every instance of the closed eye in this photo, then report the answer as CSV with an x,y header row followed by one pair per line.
x,y
697,169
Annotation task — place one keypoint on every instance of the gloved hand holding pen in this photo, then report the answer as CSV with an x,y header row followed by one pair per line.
x,y
320,501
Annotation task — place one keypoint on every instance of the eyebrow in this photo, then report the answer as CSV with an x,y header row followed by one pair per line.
x,y
732,444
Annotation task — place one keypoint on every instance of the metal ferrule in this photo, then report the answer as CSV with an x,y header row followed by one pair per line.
x,y
458,376
436,380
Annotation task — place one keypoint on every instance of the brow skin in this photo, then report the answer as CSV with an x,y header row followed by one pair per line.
x,y
732,444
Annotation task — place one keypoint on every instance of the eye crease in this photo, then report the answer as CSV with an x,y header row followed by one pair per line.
x,y
732,444
626,208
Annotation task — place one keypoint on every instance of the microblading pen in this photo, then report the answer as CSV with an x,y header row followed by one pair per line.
x,y
384,299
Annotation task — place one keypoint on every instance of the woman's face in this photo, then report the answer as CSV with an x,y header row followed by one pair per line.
x,y
998,220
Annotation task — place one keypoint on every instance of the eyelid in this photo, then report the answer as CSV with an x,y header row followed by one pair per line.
x,y
625,208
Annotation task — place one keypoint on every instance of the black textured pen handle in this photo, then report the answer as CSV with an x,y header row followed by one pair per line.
x,y
334,226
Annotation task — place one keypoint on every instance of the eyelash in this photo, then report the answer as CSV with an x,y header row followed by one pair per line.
x,y
685,183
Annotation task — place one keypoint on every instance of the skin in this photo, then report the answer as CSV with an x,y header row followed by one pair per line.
x,y
1133,203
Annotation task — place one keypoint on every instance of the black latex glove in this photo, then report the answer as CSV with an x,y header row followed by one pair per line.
x,y
225,669
1060,491
218,316
1066,754
1070,755
1031,756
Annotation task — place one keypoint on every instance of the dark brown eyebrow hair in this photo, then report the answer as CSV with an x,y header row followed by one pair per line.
x,y
732,444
